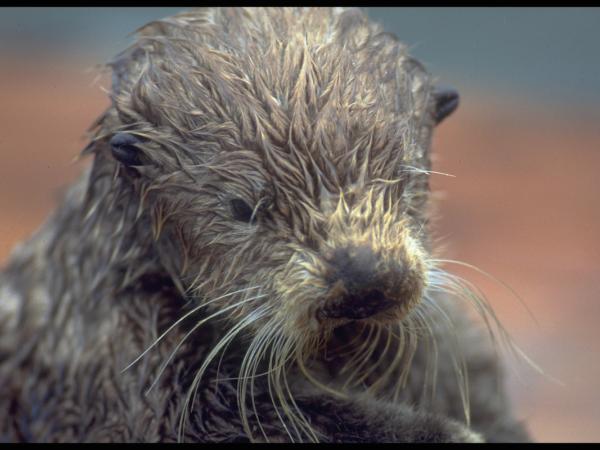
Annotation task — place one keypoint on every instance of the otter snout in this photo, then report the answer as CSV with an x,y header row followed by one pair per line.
x,y
363,285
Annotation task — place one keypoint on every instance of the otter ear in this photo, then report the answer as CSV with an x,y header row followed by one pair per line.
x,y
446,102
124,149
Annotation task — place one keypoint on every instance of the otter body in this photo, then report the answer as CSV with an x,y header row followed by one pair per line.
x,y
247,258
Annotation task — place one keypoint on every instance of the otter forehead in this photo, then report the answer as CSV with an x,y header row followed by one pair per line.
x,y
323,84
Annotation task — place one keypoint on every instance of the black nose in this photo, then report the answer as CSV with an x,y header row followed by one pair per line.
x,y
354,266
357,287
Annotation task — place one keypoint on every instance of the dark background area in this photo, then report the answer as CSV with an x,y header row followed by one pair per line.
x,y
524,147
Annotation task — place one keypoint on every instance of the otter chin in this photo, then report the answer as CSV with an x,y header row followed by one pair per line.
x,y
248,257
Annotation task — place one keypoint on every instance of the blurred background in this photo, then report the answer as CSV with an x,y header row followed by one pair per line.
x,y
524,149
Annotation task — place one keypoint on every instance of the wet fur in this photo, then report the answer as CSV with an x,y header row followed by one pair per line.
x,y
322,123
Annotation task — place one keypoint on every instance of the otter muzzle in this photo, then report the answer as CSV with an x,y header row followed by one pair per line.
x,y
363,286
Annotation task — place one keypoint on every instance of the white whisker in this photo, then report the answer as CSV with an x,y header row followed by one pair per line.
x,y
179,321
194,328
231,334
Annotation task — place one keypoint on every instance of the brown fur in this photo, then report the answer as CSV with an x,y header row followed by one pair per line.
x,y
321,123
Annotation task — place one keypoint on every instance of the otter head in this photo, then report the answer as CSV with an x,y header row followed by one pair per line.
x,y
281,157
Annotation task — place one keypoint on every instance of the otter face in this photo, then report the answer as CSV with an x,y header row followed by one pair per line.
x,y
281,157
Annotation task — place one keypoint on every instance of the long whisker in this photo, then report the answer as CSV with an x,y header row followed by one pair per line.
x,y
253,356
217,379
399,341
364,360
348,347
412,348
445,282
428,172
289,350
430,377
466,290
283,349
273,383
302,366
459,365
231,334
180,320
194,328
358,353
491,277
374,365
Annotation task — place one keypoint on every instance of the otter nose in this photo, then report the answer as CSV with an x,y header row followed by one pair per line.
x,y
357,290
355,267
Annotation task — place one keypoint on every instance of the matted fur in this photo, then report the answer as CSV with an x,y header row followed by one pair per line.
x,y
144,311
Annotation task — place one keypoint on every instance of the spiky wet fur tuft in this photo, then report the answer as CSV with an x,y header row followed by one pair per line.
x,y
145,311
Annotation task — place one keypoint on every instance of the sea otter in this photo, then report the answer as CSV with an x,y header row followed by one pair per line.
x,y
248,258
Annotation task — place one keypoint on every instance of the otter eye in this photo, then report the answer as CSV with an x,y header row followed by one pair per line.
x,y
124,149
241,210
446,101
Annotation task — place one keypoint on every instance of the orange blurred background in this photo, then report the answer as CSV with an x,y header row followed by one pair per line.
x,y
523,205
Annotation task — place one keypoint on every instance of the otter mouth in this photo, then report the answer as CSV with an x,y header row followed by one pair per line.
x,y
357,306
